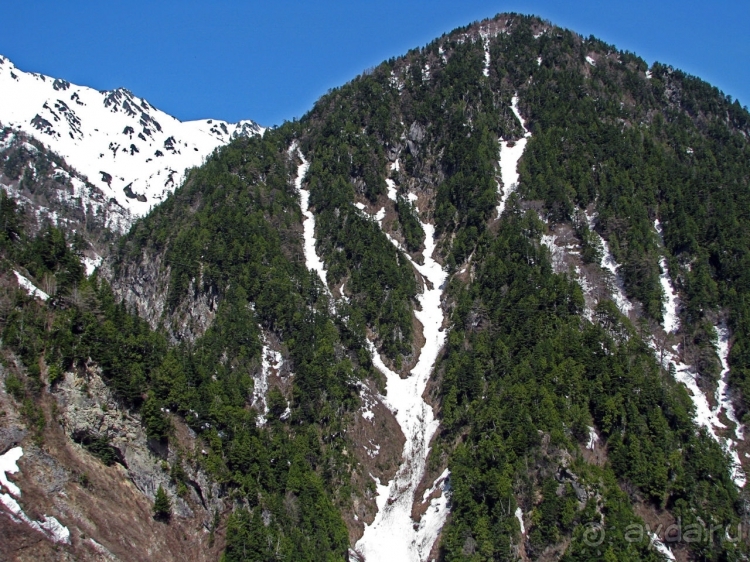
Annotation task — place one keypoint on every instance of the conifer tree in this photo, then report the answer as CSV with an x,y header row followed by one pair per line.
x,y
162,505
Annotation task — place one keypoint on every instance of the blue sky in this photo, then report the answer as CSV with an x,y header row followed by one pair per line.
x,y
250,60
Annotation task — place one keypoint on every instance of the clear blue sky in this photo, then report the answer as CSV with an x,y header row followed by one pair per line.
x,y
253,60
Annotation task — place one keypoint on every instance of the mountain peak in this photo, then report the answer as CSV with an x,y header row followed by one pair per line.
x,y
133,152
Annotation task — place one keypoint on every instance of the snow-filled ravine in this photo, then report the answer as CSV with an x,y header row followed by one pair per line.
x,y
510,154
705,416
392,535
668,353
312,261
608,262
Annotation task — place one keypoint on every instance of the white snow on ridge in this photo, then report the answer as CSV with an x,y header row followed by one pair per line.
x,y
143,151
509,157
393,535
29,287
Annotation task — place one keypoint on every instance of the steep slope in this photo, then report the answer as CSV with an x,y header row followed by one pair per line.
x,y
51,192
484,302
132,152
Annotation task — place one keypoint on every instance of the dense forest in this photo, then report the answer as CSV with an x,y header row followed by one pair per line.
x,y
526,379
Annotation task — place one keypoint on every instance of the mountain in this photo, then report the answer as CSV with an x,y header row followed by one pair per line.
x,y
487,301
135,154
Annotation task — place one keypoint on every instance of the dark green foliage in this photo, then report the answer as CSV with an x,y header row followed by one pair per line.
x,y
238,242
100,447
410,227
157,424
344,162
522,371
523,375
162,505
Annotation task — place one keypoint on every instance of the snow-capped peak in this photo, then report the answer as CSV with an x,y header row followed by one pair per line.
x,y
135,153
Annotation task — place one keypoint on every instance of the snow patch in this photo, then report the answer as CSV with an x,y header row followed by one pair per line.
x,y
671,319
30,288
591,61
704,415
510,154
8,465
593,439
55,530
485,41
91,264
48,525
722,390
661,548
391,185
608,262
269,359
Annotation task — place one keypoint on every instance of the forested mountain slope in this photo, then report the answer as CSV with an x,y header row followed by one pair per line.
x,y
484,302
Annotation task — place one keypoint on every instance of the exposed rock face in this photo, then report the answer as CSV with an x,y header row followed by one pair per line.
x,y
145,291
144,286
106,509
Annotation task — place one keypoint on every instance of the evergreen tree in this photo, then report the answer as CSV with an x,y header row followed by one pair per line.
x,y
162,505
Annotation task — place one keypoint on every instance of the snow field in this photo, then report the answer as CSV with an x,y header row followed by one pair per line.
x,y
29,287
113,132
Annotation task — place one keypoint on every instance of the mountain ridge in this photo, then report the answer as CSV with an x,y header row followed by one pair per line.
x,y
586,216
132,152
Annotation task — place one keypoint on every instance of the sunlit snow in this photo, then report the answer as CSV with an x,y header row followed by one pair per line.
x,y
29,287
8,465
48,525
510,154
312,261
661,548
608,262
135,153
393,535
705,416
269,359
671,320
